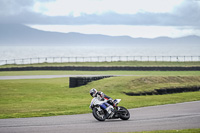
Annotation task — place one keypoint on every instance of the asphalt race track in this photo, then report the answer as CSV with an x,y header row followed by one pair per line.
x,y
164,117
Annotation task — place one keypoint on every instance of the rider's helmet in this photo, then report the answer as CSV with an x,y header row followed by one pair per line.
x,y
93,92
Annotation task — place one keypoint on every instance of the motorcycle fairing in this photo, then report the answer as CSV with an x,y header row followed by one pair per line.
x,y
104,105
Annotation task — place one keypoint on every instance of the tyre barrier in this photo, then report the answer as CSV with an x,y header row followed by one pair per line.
x,y
79,81
114,68
164,91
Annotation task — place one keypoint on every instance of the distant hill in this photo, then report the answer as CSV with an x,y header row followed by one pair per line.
x,y
16,34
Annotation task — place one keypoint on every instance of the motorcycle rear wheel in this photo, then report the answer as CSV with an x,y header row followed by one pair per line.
x,y
99,115
125,115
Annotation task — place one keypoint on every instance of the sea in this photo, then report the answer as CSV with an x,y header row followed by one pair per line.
x,y
145,52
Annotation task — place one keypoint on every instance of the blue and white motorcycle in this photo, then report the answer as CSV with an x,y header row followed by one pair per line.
x,y
102,110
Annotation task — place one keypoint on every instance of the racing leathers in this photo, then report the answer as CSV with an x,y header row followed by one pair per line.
x,y
101,96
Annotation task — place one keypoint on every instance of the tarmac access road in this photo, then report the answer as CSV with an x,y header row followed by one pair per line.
x,y
164,117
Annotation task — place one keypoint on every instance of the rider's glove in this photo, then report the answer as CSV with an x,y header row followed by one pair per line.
x,y
111,100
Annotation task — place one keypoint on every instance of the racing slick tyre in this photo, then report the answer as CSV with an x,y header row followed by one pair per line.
x,y
125,115
99,115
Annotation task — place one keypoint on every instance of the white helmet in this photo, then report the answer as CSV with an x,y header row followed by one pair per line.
x,y
93,92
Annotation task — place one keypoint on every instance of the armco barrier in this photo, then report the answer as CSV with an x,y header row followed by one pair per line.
x,y
79,81
114,68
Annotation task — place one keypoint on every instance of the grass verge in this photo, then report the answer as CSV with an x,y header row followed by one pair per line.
x,y
116,63
47,97
135,73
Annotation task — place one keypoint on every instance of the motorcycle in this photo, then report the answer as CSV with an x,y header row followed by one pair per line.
x,y
102,110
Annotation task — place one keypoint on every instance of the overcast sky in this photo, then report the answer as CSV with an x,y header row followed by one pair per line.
x,y
135,18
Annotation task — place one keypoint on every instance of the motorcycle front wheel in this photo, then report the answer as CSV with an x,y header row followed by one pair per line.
x,y
125,115
99,115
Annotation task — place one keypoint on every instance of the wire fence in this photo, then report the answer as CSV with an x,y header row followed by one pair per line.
x,y
100,59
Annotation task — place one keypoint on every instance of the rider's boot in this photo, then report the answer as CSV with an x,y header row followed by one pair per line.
x,y
118,108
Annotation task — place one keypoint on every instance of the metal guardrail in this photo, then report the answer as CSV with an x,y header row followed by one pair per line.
x,y
100,59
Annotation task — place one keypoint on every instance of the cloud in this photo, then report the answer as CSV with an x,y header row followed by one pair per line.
x,y
77,7
188,13
21,11
15,7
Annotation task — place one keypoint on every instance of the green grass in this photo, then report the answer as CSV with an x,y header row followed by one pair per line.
x,y
140,73
117,63
172,131
48,97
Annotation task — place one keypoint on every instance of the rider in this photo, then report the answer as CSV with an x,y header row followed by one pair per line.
x,y
101,96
